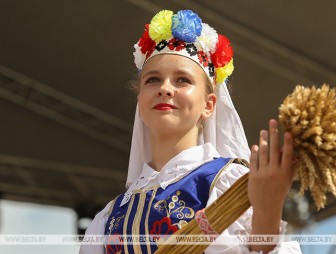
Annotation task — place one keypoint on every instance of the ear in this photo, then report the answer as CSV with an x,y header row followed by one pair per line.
x,y
211,101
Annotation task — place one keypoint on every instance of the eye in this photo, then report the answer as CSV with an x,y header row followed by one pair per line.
x,y
183,80
152,80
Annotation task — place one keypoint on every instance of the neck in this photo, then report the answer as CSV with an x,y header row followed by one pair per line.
x,y
166,146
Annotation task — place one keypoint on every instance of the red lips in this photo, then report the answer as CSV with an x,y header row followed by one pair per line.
x,y
164,106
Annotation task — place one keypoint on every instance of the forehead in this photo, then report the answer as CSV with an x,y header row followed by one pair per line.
x,y
172,62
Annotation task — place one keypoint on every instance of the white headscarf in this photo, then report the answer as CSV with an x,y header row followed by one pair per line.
x,y
223,130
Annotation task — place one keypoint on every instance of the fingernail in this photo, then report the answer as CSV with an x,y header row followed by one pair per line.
x,y
263,133
255,148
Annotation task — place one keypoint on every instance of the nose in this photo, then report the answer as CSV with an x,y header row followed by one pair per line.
x,y
166,89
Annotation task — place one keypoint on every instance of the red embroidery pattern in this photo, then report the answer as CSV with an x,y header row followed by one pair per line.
x,y
203,58
204,224
177,45
163,227
113,245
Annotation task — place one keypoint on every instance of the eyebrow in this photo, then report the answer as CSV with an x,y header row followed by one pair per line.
x,y
150,73
184,72
179,72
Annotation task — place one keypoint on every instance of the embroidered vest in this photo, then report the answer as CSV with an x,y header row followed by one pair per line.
x,y
157,211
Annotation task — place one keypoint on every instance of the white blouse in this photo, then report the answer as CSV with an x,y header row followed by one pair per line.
x,y
180,165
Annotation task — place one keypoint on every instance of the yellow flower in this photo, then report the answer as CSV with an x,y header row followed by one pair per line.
x,y
160,26
223,72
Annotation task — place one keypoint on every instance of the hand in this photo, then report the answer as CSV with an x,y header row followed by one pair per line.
x,y
270,178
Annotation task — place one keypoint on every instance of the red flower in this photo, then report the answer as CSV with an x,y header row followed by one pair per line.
x,y
223,53
177,45
113,244
203,58
163,227
145,42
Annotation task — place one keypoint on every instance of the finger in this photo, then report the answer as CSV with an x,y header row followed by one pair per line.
x,y
287,154
254,159
274,142
263,149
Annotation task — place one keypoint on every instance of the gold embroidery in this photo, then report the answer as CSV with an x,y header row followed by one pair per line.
x,y
136,222
115,223
111,227
112,205
218,174
161,205
181,213
175,207
182,223
242,162
234,160
126,222
147,216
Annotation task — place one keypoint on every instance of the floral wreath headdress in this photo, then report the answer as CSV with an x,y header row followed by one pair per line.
x,y
184,34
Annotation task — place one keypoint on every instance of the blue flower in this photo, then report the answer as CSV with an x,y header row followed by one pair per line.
x,y
186,26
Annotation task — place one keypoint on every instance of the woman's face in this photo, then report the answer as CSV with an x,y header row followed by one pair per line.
x,y
173,95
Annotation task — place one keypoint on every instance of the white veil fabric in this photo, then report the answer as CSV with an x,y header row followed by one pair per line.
x,y
224,130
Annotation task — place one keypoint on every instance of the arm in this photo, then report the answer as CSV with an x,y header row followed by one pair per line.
x,y
97,227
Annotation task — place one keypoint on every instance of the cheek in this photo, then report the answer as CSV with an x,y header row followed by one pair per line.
x,y
143,96
194,97
145,102
188,94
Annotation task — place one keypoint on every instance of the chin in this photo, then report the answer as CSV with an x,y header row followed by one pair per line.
x,y
164,127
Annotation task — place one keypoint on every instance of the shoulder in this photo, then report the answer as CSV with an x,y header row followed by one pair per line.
x,y
97,225
228,175
215,165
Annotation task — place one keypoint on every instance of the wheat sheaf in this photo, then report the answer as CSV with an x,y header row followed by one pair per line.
x,y
310,115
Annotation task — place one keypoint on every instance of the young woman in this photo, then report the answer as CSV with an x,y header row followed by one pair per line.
x,y
186,138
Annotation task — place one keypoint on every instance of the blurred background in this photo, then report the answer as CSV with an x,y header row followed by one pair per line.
x,y
67,114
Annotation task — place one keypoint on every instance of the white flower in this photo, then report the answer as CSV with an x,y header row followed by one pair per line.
x,y
207,40
139,58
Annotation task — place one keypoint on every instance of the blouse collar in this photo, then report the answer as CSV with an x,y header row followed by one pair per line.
x,y
178,166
